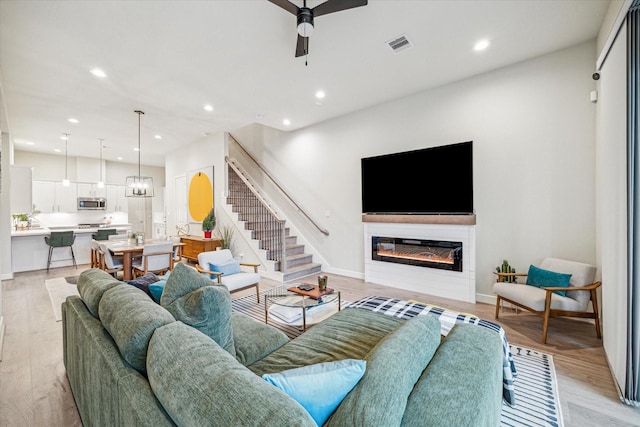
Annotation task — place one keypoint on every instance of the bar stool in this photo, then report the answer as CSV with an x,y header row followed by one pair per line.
x,y
60,239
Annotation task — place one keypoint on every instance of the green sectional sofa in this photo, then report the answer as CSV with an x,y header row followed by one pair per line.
x,y
190,361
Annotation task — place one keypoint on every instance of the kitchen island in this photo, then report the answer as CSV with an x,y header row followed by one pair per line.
x,y
29,251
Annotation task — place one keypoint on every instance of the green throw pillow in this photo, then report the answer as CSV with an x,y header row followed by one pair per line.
x,y
197,301
319,388
548,279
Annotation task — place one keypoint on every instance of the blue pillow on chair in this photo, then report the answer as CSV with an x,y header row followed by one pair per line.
x,y
227,269
548,279
319,388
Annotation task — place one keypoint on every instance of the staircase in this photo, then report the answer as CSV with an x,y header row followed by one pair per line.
x,y
272,234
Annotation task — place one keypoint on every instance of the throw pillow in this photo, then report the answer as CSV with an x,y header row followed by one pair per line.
x,y
548,279
143,282
155,289
321,387
227,269
197,301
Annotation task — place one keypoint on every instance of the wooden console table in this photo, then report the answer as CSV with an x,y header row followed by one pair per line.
x,y
193,245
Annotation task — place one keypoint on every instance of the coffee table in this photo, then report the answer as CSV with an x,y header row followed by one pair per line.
x,y
293,309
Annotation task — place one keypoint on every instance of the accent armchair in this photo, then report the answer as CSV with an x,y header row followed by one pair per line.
x,y
548,301
222,267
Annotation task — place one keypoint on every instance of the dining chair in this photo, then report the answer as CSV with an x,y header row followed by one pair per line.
x,y
96,255
177,251
156,258
112,264
60,239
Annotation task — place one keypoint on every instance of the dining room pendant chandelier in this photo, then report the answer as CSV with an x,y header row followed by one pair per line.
x,y
139,186
65,181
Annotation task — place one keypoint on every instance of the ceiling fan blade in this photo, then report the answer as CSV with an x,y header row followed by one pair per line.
x,y
302,46
286,5
331,6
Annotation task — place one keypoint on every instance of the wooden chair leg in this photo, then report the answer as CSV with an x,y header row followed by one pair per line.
x,y
258,293
73,257
594,301
497,305
547,313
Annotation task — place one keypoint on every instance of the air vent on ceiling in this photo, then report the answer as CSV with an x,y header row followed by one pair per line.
x,y
399,44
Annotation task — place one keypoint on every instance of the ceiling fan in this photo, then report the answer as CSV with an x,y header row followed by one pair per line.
x,y
305,17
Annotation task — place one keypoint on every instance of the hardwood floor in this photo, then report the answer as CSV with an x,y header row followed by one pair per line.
x,y
34,390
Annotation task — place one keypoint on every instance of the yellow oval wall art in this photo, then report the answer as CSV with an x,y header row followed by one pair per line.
x,y
200,196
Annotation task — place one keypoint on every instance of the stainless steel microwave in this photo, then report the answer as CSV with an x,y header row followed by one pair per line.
x,y
92,203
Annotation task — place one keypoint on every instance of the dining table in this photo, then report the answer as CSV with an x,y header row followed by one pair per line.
x,y
129,248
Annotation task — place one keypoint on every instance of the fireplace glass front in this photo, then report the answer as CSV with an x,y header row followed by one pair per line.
x,y
441,254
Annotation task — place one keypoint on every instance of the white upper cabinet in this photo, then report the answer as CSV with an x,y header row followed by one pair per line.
x,y
50,196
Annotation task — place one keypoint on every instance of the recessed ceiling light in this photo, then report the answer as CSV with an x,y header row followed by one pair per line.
x,y
98,73
206,133
259,116
286,122
208,107
320,94
481,45
119,158
64,137
136,149
72,120
30,143
57,150
158,136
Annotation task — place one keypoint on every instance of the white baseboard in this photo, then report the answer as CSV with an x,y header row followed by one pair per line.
x,y
488,299
6,276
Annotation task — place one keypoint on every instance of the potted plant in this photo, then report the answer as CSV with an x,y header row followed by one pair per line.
x,y
209,223
226,235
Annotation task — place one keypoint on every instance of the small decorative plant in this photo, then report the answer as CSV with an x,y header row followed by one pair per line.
x,y
506,268
209,223
226,235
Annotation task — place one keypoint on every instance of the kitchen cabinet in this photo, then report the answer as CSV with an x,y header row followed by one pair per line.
x,y
116,200
51,196
91,190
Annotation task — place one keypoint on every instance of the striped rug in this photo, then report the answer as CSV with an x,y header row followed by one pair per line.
x,y
535,385
536,390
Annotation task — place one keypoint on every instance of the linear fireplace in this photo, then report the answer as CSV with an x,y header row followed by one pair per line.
x,y
441,254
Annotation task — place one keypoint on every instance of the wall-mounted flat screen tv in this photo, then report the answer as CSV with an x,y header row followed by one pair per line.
x,y
435,180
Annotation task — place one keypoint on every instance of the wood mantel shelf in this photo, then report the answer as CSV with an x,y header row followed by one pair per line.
x,y
422,219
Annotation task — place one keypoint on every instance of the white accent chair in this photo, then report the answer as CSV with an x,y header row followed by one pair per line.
x,y
545,302
156,258
112,264
234,282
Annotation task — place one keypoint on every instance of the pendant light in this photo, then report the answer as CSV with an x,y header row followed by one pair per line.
x,y
139,186
65,181
100,181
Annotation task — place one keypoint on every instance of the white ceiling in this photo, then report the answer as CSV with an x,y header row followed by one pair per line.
x,y
170,58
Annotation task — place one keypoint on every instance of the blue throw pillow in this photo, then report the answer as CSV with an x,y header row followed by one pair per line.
x,y
227,269
548,279
155,289
319,388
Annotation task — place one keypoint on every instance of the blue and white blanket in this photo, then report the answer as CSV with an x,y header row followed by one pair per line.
x,y
406,310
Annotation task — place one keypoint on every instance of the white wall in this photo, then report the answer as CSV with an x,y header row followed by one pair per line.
x,y
611,149
534,136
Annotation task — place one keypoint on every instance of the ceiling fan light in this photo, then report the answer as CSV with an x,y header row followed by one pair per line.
x,y
305,22
65,182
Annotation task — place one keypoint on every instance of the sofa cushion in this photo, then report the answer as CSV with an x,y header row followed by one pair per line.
x,y
204,385
534,297
92,284
393,368
144,281
321,387
462,384
542,278
254,340
130,317
348,334
199,302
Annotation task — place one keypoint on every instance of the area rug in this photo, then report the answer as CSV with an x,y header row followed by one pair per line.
x,y
535,386
59,289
